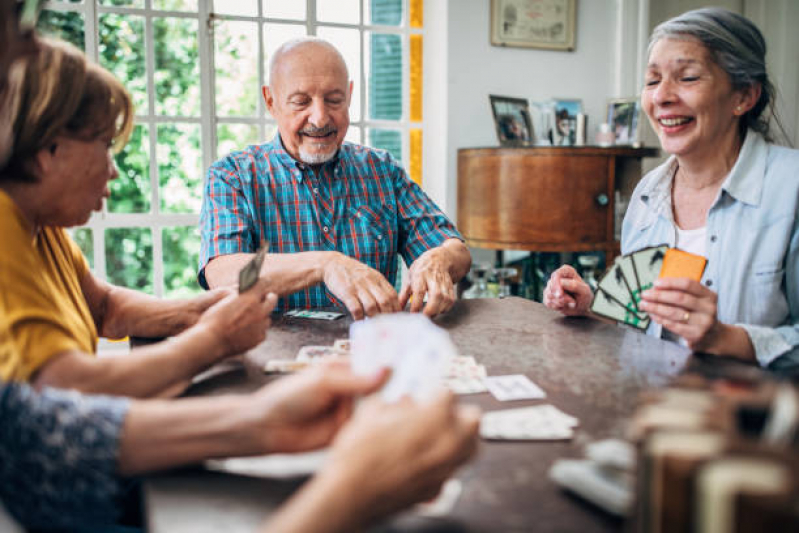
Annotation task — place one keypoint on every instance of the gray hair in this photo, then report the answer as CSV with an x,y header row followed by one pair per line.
x,y
737,46
291,44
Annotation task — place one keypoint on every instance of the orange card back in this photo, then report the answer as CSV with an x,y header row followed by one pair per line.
x,y
680,264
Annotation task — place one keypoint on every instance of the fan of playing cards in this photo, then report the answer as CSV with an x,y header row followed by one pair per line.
x,y
619,291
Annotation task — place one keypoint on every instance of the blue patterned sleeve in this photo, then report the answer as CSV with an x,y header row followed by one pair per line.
x,y
226,225
422,224
59,456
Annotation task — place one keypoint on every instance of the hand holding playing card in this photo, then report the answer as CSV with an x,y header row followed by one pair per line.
x,y
567,293
362,289
304,412
429,276
239,321
684,307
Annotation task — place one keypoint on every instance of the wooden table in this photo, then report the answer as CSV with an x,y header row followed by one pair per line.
x,y
588,369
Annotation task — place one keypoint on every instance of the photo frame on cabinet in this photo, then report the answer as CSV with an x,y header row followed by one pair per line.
x,y
512,120
544,24
564,131
624,117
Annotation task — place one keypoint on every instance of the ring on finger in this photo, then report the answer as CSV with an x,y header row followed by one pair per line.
x,y
686,317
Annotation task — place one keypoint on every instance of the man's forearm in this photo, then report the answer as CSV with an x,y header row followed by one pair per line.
x,y
285,273
165,434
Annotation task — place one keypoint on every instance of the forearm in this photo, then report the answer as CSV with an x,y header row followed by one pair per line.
x,y
145,372
285,273
458,257
325,504
132,313
165,434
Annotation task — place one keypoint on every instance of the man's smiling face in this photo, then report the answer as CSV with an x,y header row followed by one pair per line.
x,y
309,97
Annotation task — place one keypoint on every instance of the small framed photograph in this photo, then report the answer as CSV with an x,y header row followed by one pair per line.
x,y
624,117
565,131
547,24
512,120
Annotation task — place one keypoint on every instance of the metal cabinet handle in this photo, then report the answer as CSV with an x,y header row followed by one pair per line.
x,y
602,199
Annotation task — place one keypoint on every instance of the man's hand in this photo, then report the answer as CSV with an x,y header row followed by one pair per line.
x,y
568,293
304,412
429,275
238,322
362,289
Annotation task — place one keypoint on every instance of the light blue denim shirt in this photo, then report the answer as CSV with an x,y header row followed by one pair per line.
x,y
752,244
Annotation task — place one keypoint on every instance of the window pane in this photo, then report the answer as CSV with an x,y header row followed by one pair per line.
x,y
348,43
390,140
181,253
285,9
233,137
123,3
236,60
83,237
384,75
130,192
343,11
247,8
384,12
179,168
122,51
274,36
129,258
175,5
353,135
177,72
64,25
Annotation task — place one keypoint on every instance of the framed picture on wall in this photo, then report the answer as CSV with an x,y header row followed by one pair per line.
x,y
564,132
546,24
624,117
512,120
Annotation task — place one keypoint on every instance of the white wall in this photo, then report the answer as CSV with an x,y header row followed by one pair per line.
x,y
476,69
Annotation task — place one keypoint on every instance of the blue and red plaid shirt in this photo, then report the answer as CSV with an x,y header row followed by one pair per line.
x,y
361,204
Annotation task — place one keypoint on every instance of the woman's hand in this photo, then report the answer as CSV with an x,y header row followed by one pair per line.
x,y
688,309
568,293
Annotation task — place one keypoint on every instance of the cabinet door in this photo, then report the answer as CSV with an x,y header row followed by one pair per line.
x,y
508,200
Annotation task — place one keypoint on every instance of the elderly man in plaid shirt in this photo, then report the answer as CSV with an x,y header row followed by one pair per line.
x,y
335,214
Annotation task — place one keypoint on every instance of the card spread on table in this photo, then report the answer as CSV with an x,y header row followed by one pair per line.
x,y
513,387
619,290
248,276
541,422
417,351
316,315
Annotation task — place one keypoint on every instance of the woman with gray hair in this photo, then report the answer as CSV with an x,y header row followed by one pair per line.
x,y
727,193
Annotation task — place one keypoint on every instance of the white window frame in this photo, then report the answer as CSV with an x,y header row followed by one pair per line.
x,y
155,220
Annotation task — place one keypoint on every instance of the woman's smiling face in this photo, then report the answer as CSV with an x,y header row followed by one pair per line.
x,y
689,99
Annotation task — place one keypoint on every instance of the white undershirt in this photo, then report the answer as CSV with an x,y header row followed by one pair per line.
x,y
692,240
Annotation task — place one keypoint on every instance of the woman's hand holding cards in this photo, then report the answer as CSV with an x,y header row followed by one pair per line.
x,y
567,293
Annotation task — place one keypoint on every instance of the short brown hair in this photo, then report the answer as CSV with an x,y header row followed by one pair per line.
x,y
64,93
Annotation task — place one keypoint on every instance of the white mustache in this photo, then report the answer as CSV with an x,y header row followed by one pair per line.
x,y
312,131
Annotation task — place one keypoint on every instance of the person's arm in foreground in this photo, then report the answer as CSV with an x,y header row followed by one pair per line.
x,y
387,458
229,327
435,274
362,289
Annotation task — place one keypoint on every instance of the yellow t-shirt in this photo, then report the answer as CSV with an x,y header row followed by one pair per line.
x,y
42,307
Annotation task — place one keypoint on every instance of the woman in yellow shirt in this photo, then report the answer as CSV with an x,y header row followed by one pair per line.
x,y
70,113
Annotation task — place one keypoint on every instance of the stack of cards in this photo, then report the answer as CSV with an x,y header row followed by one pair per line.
x,y
619,291
541,422
513,387
465,375
417,351
310,313
307,356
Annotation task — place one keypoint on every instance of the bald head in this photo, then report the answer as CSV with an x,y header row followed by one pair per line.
x,y
309,96
305,49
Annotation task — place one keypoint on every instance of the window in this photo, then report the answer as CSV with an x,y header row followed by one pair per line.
x,y
195,69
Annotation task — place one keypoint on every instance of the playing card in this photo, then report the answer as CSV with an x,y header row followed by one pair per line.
x,y
466,366
417,351
681,264
513,387
465,385
615,284
541,422
311,353
648,263
444,502
285,366
248,275
342,344
605,305
627,267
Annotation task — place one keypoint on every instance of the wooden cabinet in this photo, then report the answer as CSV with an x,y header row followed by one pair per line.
x,y
552,199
